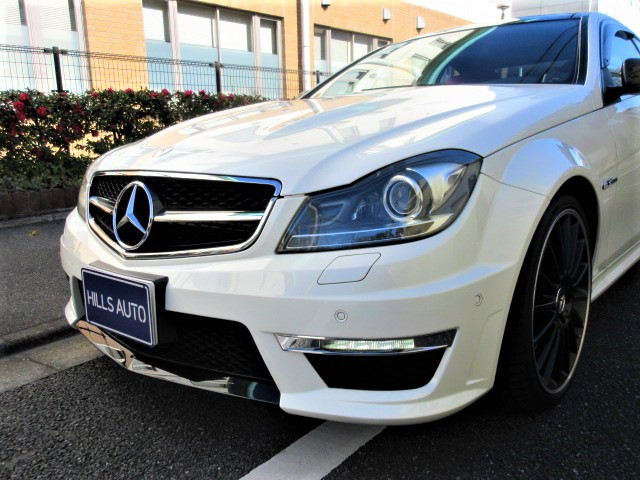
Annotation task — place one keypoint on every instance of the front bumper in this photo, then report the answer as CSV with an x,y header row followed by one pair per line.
x,y
461,279
119,353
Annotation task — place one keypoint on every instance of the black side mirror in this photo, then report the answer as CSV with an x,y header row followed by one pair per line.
x,y
631,75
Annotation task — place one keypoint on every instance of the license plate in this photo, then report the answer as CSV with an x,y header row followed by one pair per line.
x,y
120,304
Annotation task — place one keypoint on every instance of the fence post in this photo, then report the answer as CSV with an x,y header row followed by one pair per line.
x,y
57,68
317,72
218,68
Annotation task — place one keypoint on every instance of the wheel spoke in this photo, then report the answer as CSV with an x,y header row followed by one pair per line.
x,y
580,274
568,238
545,307
548,281
577,258
541,358
568,351
555,262
547,327
578,316
572,339
580,294
548,363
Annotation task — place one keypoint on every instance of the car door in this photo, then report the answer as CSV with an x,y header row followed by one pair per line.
x,y
623,114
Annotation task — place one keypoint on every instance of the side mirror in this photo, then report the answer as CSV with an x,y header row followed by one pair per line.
x,y
631,75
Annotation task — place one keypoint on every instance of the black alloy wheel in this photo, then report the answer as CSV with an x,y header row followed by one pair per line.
x,y
550,310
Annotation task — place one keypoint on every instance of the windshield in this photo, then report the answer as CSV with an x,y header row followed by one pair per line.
x,y
515,53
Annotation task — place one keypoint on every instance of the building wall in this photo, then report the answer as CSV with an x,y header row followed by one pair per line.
x,y
115,26
366,17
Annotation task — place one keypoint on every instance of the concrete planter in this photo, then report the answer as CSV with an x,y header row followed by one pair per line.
x,y
36,202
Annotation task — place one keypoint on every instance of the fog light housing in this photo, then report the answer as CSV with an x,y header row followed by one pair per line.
x,y
350,346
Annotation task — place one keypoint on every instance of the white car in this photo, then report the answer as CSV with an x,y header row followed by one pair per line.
x,y
434,217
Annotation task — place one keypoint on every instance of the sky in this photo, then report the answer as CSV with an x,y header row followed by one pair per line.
x,y
474,10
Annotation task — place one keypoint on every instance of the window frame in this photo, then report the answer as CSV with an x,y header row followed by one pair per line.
x,y
608,31
326,35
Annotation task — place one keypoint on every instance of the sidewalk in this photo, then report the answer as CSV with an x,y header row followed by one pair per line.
x,y
33,286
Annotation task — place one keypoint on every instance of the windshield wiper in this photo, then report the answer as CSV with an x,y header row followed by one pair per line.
x,y
390,86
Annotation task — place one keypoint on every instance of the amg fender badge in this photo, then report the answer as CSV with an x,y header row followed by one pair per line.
x,y
609,182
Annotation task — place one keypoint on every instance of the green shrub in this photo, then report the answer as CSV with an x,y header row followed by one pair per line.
x,y
48,140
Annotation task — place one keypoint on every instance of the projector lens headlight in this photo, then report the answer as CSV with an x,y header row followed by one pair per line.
x,y
403,198
406,201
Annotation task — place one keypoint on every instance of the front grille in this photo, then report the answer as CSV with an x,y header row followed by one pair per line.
x,y
190,194
201,348
175,229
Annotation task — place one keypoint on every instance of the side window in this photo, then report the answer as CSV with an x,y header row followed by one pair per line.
x,y
621,49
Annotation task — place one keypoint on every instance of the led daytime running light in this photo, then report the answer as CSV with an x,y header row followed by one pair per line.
x,y
368,345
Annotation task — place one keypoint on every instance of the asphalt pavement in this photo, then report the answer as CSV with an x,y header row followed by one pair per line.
x,y
33,289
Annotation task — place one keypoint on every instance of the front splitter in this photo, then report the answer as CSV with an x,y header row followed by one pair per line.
x,y
227,385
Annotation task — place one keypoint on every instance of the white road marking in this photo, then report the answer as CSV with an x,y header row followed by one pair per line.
x,y
316,454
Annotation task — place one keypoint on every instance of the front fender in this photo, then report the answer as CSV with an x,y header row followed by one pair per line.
x,y
545,163
541,166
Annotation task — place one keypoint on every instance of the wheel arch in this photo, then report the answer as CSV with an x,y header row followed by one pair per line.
x,y
583,191
552,167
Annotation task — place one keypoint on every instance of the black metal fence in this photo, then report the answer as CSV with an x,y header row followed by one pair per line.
x,y
53,69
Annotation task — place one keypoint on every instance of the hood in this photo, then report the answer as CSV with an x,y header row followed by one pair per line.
x,y
315,144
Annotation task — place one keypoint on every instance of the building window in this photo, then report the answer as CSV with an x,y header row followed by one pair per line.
x,y
268,37
156,21
204,33
335,49
41,24
13,22
235,31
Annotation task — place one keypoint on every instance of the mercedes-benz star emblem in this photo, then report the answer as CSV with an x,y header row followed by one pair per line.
x,y
133,215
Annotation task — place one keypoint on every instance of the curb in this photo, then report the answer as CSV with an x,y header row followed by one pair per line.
x,y
32,336
48,217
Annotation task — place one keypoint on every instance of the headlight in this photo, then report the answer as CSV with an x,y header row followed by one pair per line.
x,y
406,201
82,196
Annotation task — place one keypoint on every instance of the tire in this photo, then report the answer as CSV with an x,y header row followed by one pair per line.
x,y
550,310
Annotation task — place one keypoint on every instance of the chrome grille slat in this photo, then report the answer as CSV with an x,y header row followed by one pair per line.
x,y
103,204
196,215
181,216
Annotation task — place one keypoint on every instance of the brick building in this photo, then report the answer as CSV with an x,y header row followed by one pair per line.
x,y
264,36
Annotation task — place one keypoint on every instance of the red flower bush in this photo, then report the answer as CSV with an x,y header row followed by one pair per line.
x,y
47,140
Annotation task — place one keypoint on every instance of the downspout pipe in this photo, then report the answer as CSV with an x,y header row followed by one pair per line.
x,y
305,34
